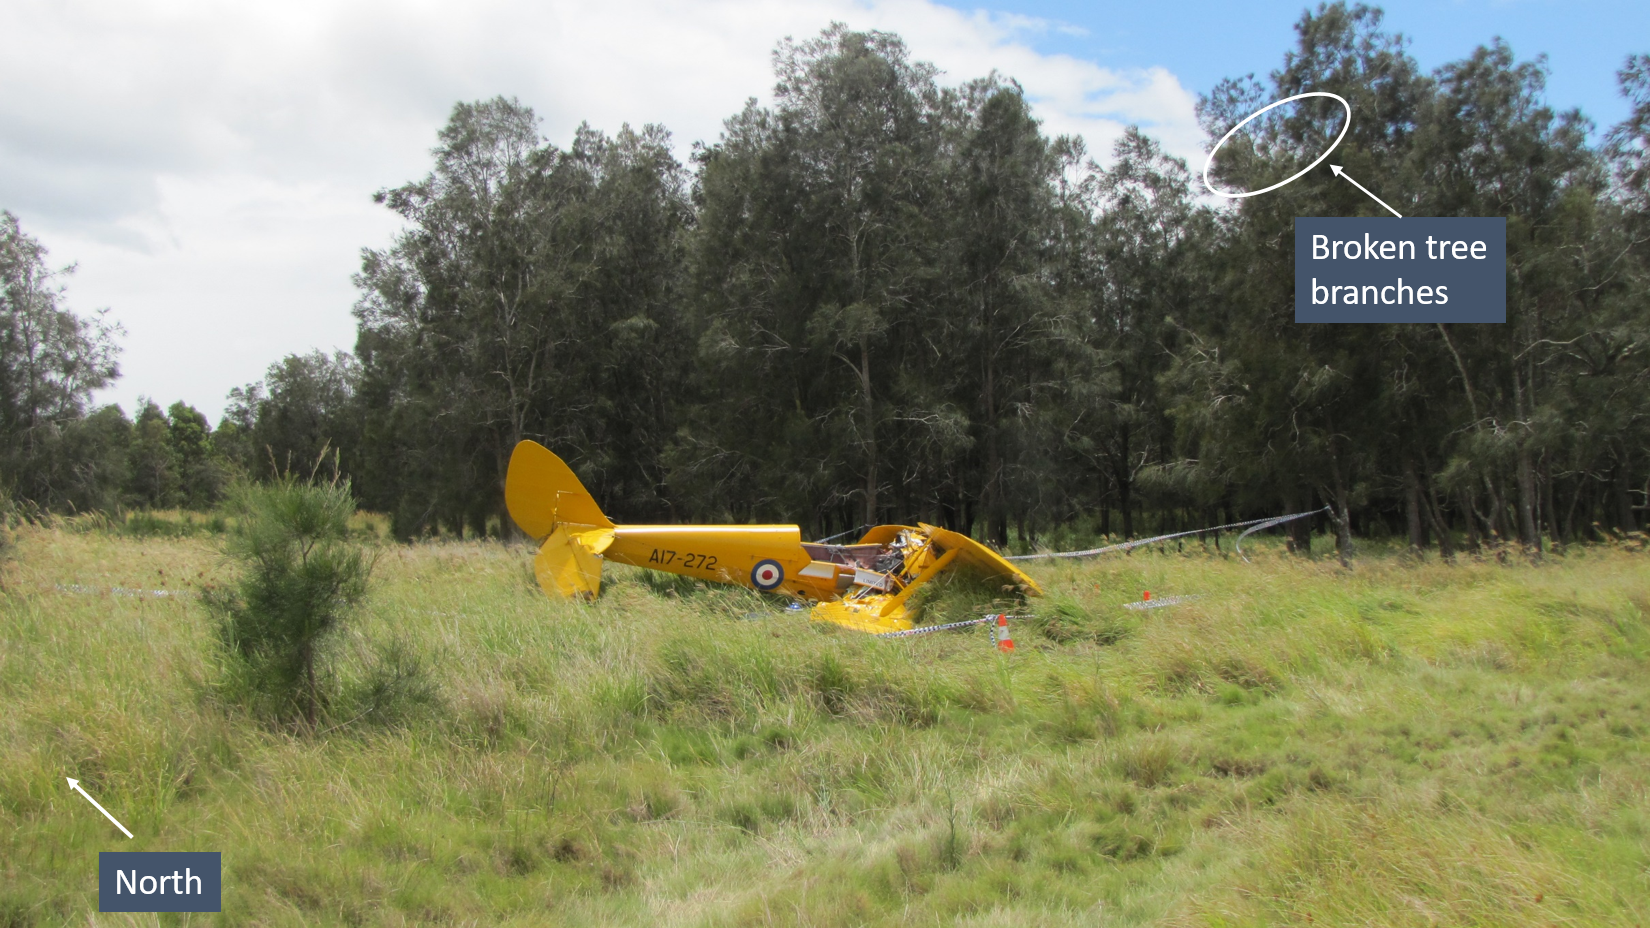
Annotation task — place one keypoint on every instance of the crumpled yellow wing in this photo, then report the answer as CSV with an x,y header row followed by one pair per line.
x,y
877,615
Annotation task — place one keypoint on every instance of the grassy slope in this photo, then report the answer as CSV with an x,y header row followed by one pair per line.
x,y
1398,745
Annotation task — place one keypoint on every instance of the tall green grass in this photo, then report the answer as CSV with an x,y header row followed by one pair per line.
x,y
1404,743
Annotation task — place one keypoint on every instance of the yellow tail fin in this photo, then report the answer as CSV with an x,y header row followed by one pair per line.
x,y
541,492
549,502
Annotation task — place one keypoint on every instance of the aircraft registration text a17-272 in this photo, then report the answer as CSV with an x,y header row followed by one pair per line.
x,y
865,586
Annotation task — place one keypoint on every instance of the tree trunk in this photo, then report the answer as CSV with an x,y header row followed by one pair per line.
x,y
1621,496
1446,546
870,440
1570,514
1300,530
1498,507
1470,512
1343,513
996,513
1412,507
1529,535
1125,486
1549,502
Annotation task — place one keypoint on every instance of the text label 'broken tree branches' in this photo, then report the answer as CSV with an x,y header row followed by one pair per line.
x,y
1400,270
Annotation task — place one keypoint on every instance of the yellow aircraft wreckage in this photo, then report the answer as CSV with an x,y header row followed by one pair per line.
x,y
865,586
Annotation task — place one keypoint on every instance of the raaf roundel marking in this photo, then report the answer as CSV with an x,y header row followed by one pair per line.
x,y
767,575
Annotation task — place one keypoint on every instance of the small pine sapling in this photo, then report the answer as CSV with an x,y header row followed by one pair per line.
x,y
301,577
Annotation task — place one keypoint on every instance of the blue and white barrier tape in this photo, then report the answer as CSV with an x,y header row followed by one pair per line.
x,y
925,629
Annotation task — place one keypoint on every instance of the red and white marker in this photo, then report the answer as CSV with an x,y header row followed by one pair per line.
x,y
1004,642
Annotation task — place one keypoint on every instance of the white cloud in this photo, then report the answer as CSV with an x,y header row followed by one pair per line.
x,y
210,165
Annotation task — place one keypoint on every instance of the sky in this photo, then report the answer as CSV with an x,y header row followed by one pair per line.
x,y
209,167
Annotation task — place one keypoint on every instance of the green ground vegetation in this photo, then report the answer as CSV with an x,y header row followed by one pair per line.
x,y
1404,743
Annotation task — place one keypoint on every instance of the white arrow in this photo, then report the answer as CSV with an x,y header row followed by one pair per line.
x,y
74,784
1340,173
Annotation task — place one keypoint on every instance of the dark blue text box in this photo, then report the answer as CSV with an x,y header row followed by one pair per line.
x,y
160,881
1400,270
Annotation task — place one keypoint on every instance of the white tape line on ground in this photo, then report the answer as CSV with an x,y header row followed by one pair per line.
x,y
1162,602
925,629
123,591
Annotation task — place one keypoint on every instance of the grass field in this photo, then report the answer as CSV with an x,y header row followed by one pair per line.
x,y
1399,744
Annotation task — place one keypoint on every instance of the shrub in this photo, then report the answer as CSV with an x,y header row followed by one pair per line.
x,y
394,684
301,577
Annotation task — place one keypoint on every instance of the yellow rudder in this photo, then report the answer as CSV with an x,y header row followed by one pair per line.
x,y
542,492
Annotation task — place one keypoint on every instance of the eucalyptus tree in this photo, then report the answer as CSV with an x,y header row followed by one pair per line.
x,y
996,327
1489,146
155,481
1385,412
1305,395
872,284
1150,245
748,446
881,298
203,474
1604,358
532,296
815,246
867,129
432,313
1628,145
301,417
51,362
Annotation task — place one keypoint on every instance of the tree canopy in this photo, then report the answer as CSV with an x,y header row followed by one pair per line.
x,y
884,298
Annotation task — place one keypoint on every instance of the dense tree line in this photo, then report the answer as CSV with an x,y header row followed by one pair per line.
x,y
884,299
54,451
